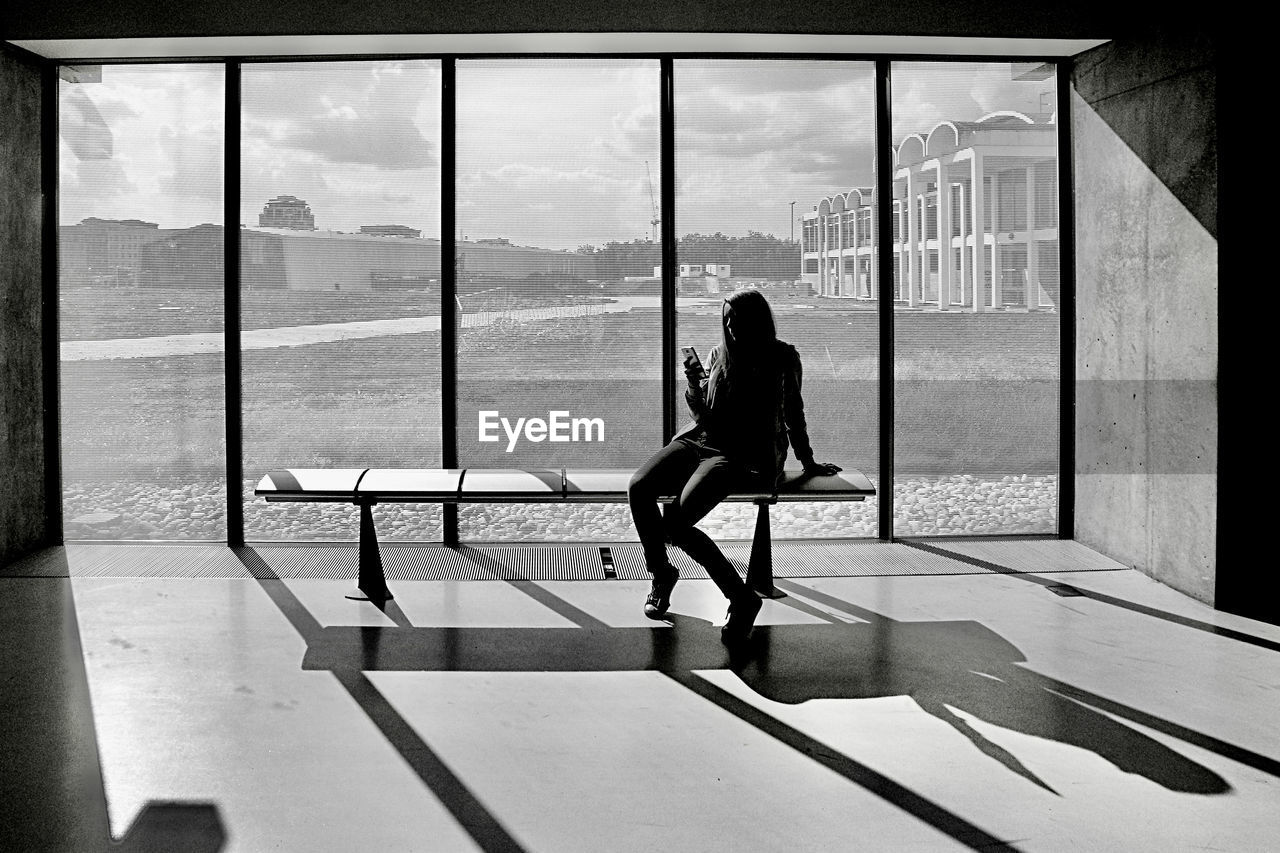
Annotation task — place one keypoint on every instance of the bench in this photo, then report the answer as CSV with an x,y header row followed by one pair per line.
x,y
366,487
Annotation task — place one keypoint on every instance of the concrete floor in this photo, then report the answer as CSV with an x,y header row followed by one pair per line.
x,y
1086,710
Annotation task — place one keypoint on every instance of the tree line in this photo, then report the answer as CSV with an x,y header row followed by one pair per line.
x,y
755,255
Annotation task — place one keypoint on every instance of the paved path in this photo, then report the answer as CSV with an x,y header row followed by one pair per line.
x,y
200,343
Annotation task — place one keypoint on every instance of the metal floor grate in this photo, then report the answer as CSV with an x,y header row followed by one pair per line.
x,y
1032,555
84,560
809,560
867,558
436,562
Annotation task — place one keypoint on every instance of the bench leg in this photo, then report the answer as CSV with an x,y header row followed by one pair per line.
x,y
760,569
372,585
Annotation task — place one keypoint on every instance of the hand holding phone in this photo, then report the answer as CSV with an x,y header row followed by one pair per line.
x,y
693,369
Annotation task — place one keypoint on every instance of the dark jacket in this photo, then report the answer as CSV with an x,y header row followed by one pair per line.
x,y
766,422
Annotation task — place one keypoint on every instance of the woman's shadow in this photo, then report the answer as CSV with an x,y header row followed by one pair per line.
x,y
941,666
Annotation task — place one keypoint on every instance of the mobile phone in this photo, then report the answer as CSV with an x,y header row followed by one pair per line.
x,y
691,360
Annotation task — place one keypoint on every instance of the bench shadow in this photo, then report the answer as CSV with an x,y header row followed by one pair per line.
x,y
477,821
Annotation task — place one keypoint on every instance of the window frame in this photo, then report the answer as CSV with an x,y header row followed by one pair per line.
x,y
885,212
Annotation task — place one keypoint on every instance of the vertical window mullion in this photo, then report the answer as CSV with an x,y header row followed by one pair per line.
x,y
450,318
884,255
1066,308
666,112
231,304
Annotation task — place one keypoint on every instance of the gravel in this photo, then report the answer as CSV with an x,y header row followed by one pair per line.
x,y
954,505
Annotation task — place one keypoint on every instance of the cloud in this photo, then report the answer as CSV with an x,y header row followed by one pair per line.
x,y
357,140
195,162
103,178
750,138
383,114
393,142
145,143
341,197
786,133
568,206
635,134
550,152
925,94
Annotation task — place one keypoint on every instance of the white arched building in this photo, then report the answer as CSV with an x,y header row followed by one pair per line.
x,y
938,255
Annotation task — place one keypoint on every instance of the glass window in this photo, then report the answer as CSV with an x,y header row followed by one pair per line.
x,y
976,386
340,283
558,214
140,301
758,143
558,270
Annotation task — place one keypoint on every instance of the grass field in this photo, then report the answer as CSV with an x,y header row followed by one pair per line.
x,y
976,395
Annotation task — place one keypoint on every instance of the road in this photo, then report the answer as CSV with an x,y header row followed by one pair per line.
x,y
201,343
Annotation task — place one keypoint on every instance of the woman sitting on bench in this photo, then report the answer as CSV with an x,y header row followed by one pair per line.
x,y
746,407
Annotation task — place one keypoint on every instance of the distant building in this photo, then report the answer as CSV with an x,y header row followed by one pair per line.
x,y
390,231
698,270
289,212
331,260
497,258
1010,260
192,257
699,279
104,251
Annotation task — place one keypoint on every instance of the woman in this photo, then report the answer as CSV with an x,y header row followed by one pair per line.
x,y
746,409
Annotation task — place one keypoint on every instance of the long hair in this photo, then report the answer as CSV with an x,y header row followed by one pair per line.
x,y
754,330
754,342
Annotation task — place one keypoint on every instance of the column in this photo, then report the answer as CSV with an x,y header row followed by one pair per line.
x,y
1033,250
944,239
912,238
997,263
839,290
964,253
979,231
922,215
857,254
854,249
822,254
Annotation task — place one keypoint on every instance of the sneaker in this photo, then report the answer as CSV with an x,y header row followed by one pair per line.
x,y
658,600
742,616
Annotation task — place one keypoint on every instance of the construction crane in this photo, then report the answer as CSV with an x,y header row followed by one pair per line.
x,y
653,202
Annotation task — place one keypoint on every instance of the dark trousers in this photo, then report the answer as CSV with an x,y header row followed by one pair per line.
x,y
700,479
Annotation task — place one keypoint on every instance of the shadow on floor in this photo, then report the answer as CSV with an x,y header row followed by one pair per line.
x,y
51,786
960,665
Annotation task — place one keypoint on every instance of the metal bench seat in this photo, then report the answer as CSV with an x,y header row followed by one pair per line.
x,y
366,487
515,485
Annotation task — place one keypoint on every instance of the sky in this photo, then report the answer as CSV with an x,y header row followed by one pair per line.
x,y
551,153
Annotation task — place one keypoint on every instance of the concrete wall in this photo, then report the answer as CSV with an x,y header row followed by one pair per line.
x,y
22,522
1145,157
